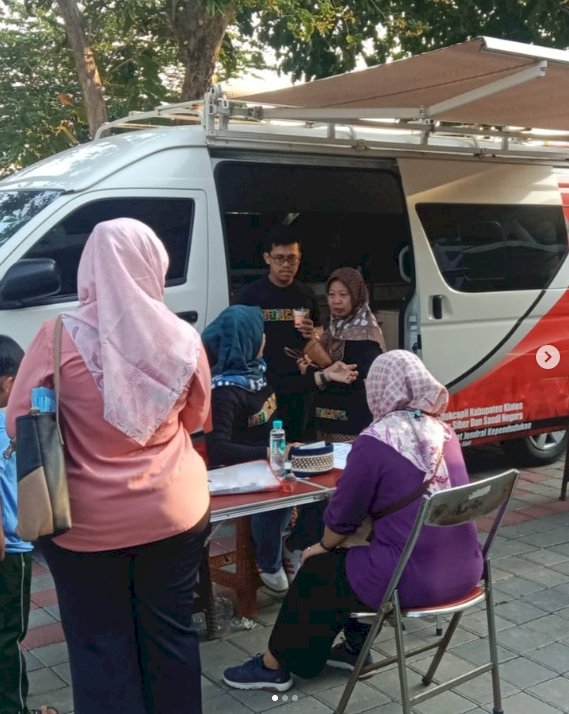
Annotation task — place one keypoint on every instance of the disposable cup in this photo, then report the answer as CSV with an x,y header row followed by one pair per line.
x,y
299,314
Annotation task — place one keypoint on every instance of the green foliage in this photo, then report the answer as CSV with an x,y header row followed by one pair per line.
x,y
41,108
34,70
238,55
132,48
314,43
139,62
437,23
317,40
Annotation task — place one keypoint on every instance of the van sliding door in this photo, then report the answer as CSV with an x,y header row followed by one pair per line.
x,y
343,213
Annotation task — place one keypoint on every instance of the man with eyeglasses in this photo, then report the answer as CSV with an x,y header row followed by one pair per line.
x,y
278,294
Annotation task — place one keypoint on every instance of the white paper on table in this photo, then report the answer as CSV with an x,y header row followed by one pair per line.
x,y
312,445
242,478
341,451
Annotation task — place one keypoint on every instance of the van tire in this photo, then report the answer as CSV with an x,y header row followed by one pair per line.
x,y
537,450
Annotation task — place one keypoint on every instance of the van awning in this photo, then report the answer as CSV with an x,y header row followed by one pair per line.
x,y
484,81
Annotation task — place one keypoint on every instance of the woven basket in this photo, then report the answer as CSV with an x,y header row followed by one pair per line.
x,y
310,462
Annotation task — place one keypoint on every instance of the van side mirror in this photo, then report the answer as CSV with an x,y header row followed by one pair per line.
x,y
27,280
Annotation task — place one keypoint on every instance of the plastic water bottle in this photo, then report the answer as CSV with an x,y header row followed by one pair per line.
x,y
222,614
200,624
277,448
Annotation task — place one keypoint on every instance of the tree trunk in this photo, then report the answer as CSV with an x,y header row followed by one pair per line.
x,y
199,33
85,64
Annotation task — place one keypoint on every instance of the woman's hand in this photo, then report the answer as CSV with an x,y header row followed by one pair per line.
x,y
315,549
303,364
292,445
341,372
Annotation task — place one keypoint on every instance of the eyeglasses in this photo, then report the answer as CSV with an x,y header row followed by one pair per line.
x,y
282,259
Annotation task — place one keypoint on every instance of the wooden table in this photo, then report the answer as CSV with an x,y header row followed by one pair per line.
x,y
245,580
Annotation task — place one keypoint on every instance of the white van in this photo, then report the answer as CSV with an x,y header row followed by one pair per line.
x,y
462,241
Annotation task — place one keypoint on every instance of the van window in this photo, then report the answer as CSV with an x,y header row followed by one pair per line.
x,y
18,207
342,216
170,218
482,248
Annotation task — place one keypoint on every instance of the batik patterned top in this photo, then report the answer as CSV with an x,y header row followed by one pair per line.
x,y
242,422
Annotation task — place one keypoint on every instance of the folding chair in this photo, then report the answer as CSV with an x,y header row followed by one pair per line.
x,y
444,508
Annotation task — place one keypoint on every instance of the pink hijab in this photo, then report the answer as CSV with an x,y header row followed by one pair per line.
x,y
140,354
406,402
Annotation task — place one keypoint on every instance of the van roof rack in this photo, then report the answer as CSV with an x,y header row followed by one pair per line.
x,y
222,114
181,112
223,120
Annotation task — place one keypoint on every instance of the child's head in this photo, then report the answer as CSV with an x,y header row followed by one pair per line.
x,y
11,355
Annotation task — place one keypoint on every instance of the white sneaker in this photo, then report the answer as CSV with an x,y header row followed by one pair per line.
x,y
291,562
277,582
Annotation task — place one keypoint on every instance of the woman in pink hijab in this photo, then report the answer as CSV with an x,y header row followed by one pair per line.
x,y
134,383
406,451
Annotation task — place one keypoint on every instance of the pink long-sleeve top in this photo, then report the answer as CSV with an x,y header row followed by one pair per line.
x,y
122,494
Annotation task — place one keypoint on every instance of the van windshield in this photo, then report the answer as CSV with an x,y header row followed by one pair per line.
x,y
19,207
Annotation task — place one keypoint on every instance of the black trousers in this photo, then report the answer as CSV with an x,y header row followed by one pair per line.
x,y
15,584
315,609
127,618
309,526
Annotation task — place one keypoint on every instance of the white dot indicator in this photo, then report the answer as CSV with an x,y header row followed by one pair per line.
x,y
294,697
285,697
547,357
275,697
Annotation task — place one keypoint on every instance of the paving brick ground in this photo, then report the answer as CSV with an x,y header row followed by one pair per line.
x,y
531,573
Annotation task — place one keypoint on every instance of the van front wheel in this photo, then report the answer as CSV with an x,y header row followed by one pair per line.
x,y
537,450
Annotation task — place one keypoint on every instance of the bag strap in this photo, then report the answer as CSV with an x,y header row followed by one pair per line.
x,y
57,372
409,498
291,352
402,502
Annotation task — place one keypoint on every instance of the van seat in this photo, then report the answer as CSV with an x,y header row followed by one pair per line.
x,y
388,320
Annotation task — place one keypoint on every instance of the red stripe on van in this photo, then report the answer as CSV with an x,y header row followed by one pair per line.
x,y
563,183
543,394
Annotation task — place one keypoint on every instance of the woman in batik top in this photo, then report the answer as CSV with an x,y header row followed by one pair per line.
x,y
243,409
353,338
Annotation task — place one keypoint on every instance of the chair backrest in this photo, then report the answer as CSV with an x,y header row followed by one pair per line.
x,y
454,506
469,503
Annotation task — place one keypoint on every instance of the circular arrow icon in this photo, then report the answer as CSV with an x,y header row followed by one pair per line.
x,y
547,357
